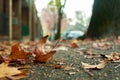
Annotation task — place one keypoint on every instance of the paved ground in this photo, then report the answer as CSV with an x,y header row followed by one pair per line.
x,y
86,52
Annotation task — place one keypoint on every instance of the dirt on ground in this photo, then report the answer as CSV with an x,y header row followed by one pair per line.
x,y
67,61
77,60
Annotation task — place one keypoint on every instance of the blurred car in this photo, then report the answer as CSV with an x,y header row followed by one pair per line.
x,y
72,34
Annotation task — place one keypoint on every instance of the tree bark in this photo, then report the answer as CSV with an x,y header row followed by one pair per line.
x,y
105,20
58,35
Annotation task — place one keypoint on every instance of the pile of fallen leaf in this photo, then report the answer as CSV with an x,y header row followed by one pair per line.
x,y
101,45
22,54
32,52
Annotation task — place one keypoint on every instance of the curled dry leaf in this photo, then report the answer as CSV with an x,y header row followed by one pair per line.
x,y
46,57
99,66
112,57
40,53
40,46
43,41
11,72
18,54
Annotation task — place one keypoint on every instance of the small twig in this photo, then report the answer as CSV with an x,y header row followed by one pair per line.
x,y
117,66
89,73
56,44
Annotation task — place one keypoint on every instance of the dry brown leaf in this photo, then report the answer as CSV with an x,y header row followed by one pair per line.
x,y
6,52
99,66
56,66
18,54
46,57
4,49
4,46
40,53
43,40
40,47
74,45
101,45
87,51
67,67
6,71
112,57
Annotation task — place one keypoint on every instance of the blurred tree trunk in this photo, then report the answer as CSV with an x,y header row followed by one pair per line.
x,y
105,20
58,34
60,6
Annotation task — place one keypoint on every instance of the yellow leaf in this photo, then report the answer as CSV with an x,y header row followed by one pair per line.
x,y
12,73
5,70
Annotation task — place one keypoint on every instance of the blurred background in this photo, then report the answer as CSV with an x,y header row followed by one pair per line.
x,y
32,19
